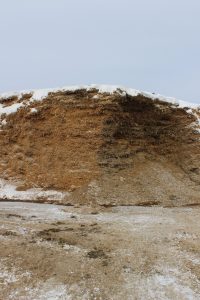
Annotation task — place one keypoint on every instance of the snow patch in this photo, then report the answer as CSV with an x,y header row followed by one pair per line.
x,y
10,109
46,291
72,248
8,276
4,122
8,191
165,284
96,97
34,110
47,212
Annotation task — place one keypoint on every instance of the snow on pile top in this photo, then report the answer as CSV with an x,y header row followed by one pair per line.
x,y
39,95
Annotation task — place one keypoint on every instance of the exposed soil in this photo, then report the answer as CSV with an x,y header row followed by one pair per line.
x,y
53,252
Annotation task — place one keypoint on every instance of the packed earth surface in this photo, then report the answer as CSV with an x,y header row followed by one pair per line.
x,y
99,195
57,252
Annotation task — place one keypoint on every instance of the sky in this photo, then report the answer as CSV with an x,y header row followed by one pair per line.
x,y
151,45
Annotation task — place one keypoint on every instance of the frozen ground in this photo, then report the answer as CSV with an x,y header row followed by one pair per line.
x,y
57,252
8,191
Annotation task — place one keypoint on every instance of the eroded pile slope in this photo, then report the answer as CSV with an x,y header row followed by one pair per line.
x,y
101,147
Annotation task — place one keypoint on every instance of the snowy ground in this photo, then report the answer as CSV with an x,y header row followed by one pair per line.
x,y
8,190
56,252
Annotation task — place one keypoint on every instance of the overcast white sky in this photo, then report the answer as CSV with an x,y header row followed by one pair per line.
x,y
152,45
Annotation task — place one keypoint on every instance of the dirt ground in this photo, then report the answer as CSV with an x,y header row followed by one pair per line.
x,y
50,252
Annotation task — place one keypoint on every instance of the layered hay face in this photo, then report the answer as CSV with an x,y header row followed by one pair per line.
x,y
107,149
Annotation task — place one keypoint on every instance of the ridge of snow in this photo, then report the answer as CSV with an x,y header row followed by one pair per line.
x,y
10,109
38,95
